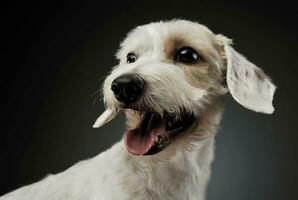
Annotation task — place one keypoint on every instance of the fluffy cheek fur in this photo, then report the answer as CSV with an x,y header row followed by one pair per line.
x,y
167,88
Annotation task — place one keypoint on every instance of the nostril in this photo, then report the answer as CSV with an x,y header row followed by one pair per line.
x,y
115,88
130,90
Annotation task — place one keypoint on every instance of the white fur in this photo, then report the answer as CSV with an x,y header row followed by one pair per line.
x,y
249,91
182,170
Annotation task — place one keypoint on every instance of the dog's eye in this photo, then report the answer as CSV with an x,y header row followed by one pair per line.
x,y
186,55
130,58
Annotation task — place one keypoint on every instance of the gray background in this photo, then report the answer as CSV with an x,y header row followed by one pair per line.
x,y
56,55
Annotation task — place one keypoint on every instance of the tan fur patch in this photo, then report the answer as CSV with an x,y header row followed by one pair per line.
x,y
171,45
199,74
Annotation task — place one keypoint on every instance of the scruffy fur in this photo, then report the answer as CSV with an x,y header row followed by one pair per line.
x,y
182,170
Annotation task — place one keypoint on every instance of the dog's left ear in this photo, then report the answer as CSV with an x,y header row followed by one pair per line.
x,y
247,83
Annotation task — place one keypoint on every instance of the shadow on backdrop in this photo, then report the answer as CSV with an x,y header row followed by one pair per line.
x,y
56,56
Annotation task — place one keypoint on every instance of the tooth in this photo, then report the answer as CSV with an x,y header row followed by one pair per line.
x,y
105,117
158,140
160,145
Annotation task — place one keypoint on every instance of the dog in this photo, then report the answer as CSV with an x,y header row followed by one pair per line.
x,y
171,82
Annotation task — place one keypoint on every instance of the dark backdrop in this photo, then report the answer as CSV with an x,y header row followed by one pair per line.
x,y
56,54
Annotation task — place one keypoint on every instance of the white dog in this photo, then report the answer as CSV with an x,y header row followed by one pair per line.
x,y
170,82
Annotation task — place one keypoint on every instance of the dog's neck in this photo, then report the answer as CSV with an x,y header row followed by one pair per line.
x,y
184,175
179,164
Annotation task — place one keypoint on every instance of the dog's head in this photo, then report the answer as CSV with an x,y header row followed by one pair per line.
x,y
170,80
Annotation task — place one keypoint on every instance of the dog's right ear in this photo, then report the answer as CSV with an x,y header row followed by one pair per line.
x,y
247,83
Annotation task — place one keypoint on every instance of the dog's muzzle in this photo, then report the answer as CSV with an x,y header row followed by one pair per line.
x,y
155,130
128,88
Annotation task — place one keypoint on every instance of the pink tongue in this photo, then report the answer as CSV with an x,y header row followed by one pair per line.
x,y
138,143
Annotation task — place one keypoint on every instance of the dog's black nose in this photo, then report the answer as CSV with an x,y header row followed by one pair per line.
x,y
127,88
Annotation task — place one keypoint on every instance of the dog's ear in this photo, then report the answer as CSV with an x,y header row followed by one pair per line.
x,y
247,83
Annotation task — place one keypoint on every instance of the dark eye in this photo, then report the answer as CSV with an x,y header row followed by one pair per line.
x,y
130,58
186,55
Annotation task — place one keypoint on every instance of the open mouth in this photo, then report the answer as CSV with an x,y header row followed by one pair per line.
x,y
154,132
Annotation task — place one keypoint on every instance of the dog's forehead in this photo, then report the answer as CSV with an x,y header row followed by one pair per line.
x,y
158,36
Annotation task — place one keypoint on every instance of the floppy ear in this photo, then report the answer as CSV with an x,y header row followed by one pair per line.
x,y
247,83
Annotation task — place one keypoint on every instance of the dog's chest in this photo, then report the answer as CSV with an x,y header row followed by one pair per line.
x,y
182,178
165,181
172,183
